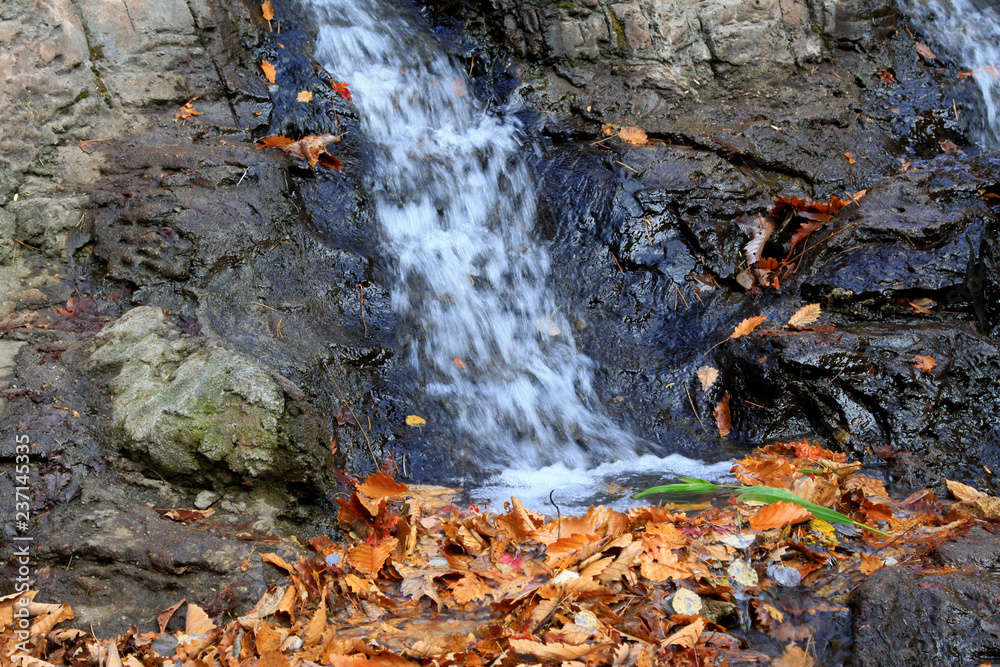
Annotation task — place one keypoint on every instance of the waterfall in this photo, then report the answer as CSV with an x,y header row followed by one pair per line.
x,y
455,204
968,31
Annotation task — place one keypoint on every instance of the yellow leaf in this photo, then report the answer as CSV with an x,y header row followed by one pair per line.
x,y
304,96
269,70
870,563
804,316
747,326
414,420
267,10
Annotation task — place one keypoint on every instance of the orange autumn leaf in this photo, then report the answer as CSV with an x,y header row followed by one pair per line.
x,y
311,148
369,559
469,589
634,135
269,70
267,10
277,561
961,491
850,158
924,363
870,563
687,636
723,419
779,515
924,51
272,659
380,485
304,96
747,326
187,111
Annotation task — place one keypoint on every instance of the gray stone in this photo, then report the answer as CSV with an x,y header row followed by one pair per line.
x,y
191,409
206,499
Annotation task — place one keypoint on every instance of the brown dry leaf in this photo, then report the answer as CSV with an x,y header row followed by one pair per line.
x,y
794,657
850,158
317,624
304,96
924,51
961,491
269,70
380,486
804,316
634,135
779,515
277,561
707,375
311,148
272,659
468,589
421,584
368,559
870,563
924,363
187,111
551,652
164,616
723,420
267,10
197,621
686,636
43,625
747,326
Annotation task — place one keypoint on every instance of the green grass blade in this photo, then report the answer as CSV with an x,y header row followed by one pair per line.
x,y
691,485
766,494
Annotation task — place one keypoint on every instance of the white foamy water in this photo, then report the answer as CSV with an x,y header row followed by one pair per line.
x,y
455,203
968,31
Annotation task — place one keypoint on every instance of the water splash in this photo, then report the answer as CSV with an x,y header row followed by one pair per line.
x,y
968,31
455,204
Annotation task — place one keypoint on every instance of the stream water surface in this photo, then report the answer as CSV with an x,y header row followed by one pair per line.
x,y
456,206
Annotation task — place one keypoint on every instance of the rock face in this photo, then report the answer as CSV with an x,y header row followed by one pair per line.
x,y
190,409
902,618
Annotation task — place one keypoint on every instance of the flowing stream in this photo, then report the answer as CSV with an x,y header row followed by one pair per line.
x,y
969,32
455,203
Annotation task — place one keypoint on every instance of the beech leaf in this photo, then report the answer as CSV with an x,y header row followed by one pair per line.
x,y
707,375
804,316
747,326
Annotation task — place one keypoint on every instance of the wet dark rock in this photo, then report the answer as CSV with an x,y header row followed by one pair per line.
x,y
902,617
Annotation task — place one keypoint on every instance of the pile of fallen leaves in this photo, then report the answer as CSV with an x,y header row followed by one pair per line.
x,y
419,581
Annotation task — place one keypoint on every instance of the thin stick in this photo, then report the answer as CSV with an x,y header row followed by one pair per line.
x,y
681,294
357,421
626,166
472,64
616,263
648,235
362,289
691,401
558,515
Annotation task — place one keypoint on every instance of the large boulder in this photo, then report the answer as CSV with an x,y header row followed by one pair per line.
x,y
190,409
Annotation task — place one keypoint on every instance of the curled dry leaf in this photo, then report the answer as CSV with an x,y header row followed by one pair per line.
x,y
187,111
804,316
747,326
311,148
268,70
687,636
924,363
722,417
850,158
924,51
707,375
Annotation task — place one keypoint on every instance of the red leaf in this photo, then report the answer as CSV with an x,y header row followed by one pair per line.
x,y
342,89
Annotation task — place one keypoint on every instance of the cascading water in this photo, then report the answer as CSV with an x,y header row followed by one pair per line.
x,y
969,31
455,204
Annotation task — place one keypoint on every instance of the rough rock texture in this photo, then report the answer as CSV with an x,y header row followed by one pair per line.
x,y
190,409
903,618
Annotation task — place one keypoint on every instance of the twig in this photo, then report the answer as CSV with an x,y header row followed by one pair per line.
x,y
626,166
681,295
616,263
26,245
648,235
693,409
356,420
558,515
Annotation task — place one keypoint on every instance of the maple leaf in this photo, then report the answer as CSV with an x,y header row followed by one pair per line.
x,y
187,111
707,375
779,515
304,96
747,326
269,70
804,316
342,89
469,589
924,51
924,363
